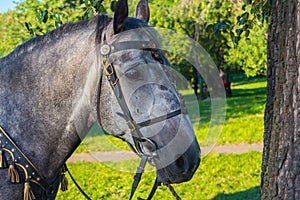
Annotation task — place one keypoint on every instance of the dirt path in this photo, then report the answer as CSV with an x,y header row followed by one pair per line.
x,y
127,155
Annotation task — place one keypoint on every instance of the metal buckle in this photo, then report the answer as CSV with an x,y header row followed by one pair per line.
x,y
151,145
115,83
109,70
131,125
105,50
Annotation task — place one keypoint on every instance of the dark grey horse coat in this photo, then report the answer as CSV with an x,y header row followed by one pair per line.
x,y
51,94
42,94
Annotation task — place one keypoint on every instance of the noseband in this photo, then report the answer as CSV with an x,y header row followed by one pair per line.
x,y
134,127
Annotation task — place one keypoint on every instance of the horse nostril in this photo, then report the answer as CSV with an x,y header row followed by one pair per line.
x,y
161,87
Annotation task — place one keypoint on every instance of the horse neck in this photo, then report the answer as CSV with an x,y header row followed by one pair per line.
x,y
47,99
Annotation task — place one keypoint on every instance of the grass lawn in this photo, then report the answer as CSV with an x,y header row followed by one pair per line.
x,y
243,124
219,177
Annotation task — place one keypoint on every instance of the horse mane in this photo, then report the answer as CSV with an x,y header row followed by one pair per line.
x,y
101,21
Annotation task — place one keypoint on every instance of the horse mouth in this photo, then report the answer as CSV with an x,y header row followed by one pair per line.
x,y
182,173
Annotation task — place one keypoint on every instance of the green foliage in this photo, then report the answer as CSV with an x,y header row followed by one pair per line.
x,y
50,15
33,17
11,32
218,177
219,26
223,28
251,53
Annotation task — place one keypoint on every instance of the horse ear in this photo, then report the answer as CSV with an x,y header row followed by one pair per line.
x,y
121,15
142,11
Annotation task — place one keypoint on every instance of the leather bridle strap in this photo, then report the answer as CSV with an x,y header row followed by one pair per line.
x,y
159,119
76,184
134,127
115,85
153,190
138,176
157,183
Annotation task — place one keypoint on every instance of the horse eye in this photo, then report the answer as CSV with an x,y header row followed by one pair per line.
x,y
132,74
157,56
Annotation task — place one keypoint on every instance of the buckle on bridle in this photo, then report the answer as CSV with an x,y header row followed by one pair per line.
x,y
109,70
115,82
131,125
105,50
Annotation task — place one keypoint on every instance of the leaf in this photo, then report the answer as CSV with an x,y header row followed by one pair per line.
x,y
239,31
209,28
248,41
243,21
90,14
244,7
247,33
232,35
245,16
258,16
113,6
45,16
235,40
38,16
86,2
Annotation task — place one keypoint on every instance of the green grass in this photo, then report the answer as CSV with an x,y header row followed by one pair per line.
x,y
243,124
244,113
97,140
219,177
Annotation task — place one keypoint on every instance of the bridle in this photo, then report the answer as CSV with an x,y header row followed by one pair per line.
x,y
139,140
30,174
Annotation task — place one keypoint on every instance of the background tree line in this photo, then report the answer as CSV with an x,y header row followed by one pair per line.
x,y
232,32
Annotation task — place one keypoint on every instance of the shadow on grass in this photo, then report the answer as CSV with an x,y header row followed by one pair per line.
x,y
242,79
250,194
246,102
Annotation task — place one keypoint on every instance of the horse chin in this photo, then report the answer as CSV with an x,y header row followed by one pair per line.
x,y
182,169
166,175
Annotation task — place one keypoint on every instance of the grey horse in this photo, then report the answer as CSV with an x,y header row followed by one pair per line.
x,y
53,89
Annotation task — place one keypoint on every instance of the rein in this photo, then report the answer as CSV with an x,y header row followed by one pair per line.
x,y
138,138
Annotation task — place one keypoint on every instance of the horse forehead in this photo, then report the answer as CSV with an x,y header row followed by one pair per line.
x,y
129,56
140,34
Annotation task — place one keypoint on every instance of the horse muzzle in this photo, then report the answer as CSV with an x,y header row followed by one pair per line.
x,y
183,168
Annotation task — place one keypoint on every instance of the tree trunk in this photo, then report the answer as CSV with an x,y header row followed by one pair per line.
x,y
281,156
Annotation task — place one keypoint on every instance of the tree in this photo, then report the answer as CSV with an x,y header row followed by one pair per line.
x,y
281,156
33,17
232,31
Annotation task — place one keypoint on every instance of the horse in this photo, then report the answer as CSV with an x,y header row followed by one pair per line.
x,y
55,87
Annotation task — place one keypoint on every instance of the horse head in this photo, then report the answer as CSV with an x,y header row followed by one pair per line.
x,y
143,106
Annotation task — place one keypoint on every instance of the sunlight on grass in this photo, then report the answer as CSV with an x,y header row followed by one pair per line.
x,y
244,114
219,176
